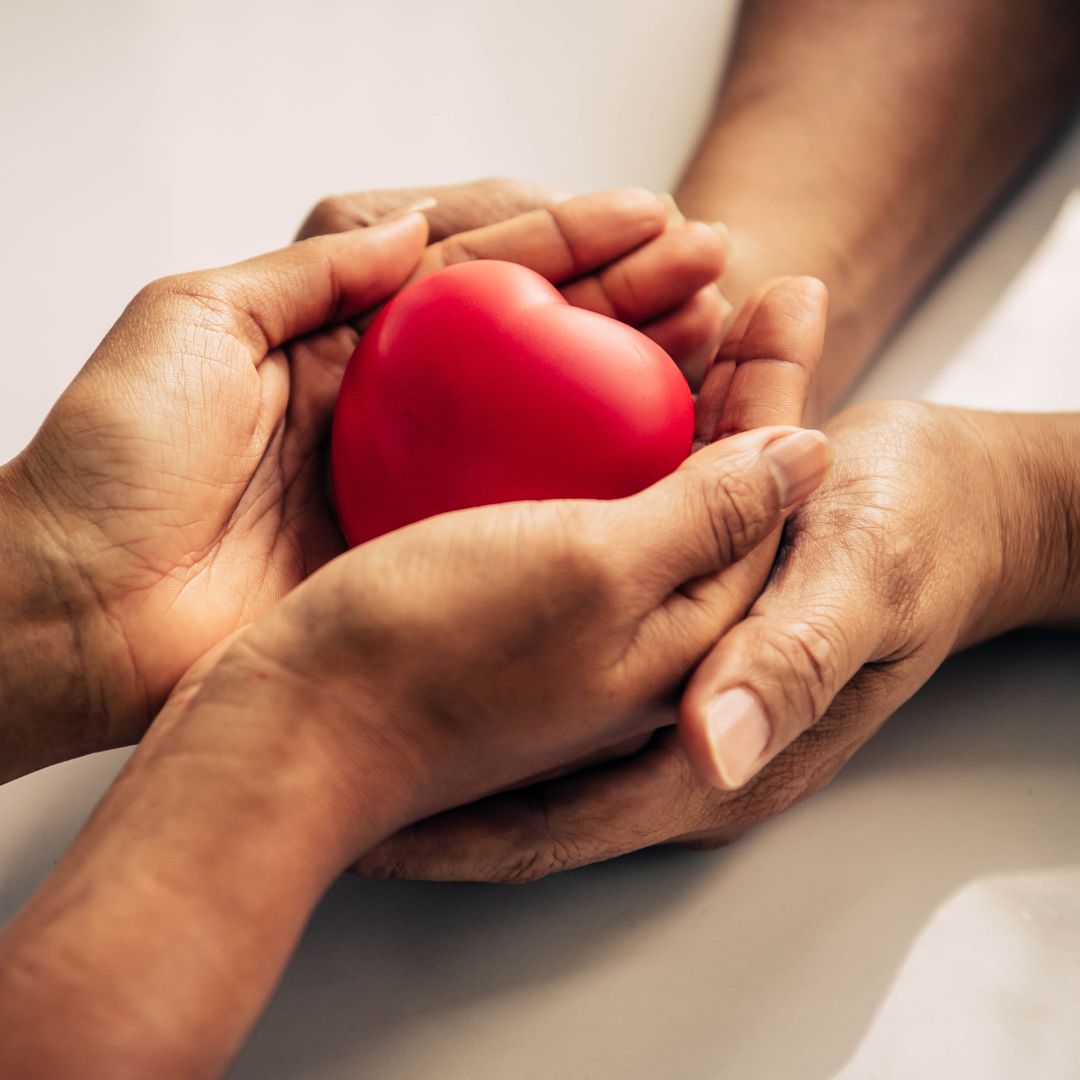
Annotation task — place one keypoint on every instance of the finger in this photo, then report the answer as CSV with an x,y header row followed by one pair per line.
x,y
691,334
458,207
562,241
714,509
774,675
655,798
273,298
656,278
560,825
764,367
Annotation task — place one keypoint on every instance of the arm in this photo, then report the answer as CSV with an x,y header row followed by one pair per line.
x,y
429,667
860,142
155,944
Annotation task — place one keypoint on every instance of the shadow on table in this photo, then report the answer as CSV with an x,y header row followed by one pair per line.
x,y
769,959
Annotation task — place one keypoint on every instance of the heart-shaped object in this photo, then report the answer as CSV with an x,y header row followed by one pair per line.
x,y
480,384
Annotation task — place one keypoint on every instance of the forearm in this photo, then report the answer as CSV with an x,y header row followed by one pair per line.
x,y
158,938
859,142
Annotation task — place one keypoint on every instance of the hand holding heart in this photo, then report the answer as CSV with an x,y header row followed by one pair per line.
x,y
178,490
663,282
764,367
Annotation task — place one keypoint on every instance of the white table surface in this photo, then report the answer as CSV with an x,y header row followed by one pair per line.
x,y
921,917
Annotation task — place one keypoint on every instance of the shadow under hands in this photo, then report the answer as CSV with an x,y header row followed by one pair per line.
x,y
770,958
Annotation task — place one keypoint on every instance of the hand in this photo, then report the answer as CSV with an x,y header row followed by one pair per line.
x,y
761,377
898,559
479,648
666,287
177,489
430,666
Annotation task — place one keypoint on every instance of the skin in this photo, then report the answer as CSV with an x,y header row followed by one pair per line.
x,y
429,667
648,291
861,143
858,144
177,489
825,217
543,633
838,640
880,106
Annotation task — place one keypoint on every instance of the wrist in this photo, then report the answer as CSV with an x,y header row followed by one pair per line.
x,y
59,684
1034,463
786,216
352,777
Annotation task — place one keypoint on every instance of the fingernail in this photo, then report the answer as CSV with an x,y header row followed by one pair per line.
x,y
415,207
799,462
674,215
738,733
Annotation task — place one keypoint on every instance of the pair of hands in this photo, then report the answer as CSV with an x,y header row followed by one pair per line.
x,y
176,521
179,482
882,573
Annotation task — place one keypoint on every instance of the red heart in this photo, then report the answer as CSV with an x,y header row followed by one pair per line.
x,y
480,384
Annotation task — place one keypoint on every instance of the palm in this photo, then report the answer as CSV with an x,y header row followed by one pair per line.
x,y
205,503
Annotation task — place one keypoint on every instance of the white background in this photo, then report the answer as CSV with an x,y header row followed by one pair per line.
x,y
920,917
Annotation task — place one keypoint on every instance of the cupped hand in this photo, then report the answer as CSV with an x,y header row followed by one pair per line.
x,y
880,575
762,376
476,649
178,485
893,563
664,281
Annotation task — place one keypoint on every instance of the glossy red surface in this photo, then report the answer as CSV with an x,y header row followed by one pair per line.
x,y
479,384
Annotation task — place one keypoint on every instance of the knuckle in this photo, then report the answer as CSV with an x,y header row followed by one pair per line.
x,y
806,656
206,299
207,288
329,213
736,512
455,249
156,294
528,866
327,206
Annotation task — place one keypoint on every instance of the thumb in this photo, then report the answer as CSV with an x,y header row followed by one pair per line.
x,y
266,301
772,677
717,506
